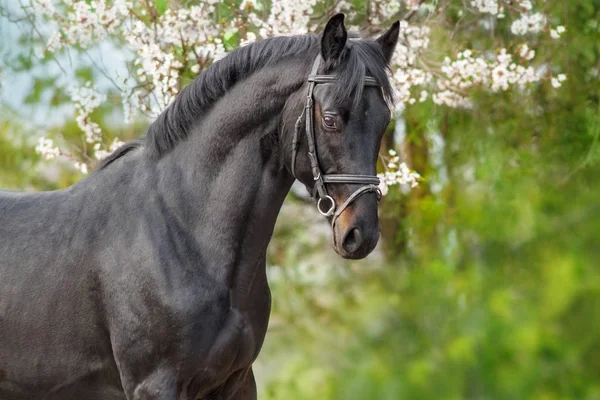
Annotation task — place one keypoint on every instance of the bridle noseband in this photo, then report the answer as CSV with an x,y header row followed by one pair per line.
x,y
325,203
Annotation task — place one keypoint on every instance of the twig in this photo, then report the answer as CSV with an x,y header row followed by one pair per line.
x,y
412,12
102,71
34,27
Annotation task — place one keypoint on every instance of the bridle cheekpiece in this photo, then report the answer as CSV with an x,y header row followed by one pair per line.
x,y
325,203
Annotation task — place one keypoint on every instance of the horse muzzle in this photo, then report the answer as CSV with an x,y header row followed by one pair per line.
x,y
356,229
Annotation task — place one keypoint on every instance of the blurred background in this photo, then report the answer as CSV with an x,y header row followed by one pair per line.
x,y
486,281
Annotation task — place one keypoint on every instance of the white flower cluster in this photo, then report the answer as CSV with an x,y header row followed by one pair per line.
x,y
85,24
287,17
100,153
468,71
86,99
529,23
396,173
81,166
451,84
496,7
44,7
526,53
558,80
557,32
379,11
47,149
154,40
413,42
486,6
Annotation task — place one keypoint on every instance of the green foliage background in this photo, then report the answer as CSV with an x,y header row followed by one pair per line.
x,y
487,282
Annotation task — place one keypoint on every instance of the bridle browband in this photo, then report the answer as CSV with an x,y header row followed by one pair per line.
x,y
370,182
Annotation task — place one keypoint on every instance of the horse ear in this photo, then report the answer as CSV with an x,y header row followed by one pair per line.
x,y
333,40
388,41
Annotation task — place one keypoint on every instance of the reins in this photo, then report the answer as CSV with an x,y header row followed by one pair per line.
x,y
325,203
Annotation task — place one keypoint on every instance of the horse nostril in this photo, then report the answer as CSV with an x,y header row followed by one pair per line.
x,y
352,241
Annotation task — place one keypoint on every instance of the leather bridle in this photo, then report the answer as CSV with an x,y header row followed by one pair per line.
x,y
325,203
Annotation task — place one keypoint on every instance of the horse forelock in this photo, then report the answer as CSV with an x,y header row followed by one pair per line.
x,y
362,58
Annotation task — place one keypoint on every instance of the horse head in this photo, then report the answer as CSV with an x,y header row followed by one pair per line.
x,y
346,110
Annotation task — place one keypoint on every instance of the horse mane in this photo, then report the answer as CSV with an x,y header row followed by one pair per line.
x,y
361,58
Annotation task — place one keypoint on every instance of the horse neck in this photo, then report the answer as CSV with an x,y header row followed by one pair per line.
x,y
226,179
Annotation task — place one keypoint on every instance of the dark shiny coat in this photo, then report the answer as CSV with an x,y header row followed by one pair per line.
x,y
146,280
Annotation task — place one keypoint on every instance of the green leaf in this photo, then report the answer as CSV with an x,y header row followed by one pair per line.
x,y
161,6
23,62
40,85
59,97
84,74
230,40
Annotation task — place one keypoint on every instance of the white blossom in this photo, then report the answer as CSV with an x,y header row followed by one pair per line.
x,y
100,153
532,23
556,82
486,6
47,149
526,53
86,99
287,17
43,7
188,39
397,173
496,8
557,32
82,167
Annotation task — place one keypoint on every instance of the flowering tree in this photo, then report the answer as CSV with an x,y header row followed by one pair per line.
x,y
170,45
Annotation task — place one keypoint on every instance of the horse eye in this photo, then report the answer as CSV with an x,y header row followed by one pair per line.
x,y
329,122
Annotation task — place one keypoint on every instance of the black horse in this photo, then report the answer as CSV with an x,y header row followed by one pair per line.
x,y
146,280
